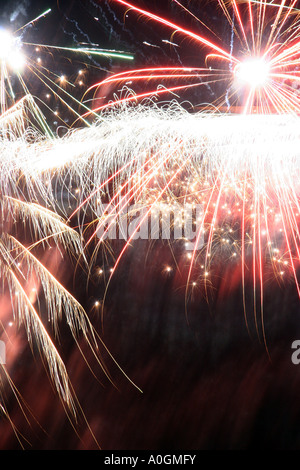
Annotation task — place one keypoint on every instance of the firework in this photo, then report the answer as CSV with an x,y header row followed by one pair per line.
x,y
235,161
33,202
21,61
241,168
262,75
232,165
143,163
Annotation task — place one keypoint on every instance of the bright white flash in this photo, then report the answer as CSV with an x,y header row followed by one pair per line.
x,y
253,72
6,44
10,52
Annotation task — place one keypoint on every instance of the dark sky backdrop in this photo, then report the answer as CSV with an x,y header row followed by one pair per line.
x,y
206,384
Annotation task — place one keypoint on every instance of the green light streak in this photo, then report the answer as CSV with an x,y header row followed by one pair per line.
x,y
99,52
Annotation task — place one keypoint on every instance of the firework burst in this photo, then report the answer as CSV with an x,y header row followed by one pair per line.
x,y
243,163
259,70
237,159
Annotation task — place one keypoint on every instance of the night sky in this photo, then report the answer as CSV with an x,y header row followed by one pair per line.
x,y
207,383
